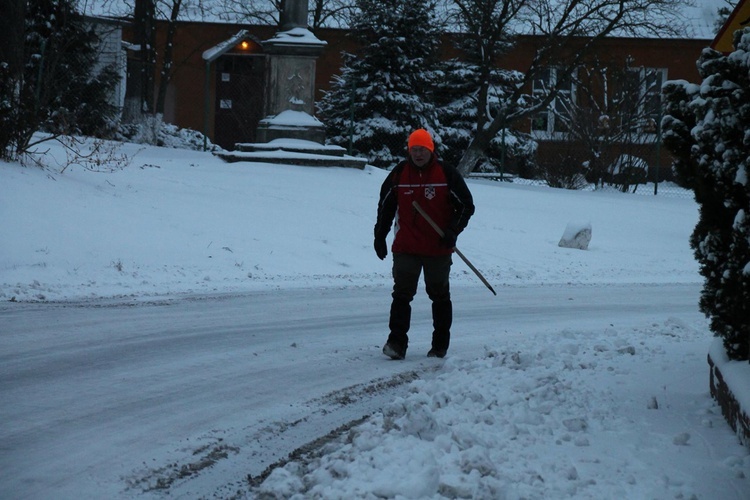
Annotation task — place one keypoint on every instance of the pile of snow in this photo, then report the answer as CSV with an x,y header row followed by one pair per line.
x,y
576,235
165,134
569,419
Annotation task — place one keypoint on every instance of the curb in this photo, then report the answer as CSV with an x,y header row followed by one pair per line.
x,y
734,414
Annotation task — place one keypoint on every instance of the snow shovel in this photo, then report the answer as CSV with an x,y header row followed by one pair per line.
x,y
458,252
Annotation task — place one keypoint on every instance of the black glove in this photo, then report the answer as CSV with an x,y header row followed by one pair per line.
x,y
449,238
381,248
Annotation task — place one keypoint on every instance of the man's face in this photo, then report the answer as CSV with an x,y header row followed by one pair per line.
x,y
420,155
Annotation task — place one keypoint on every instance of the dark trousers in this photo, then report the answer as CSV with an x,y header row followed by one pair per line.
x,y
406,271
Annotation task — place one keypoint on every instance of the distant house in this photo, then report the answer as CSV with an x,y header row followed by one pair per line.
x,y
611,112
110,51
224,96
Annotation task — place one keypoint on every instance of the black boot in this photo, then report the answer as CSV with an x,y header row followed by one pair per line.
x,y
394,351
399,322
442,319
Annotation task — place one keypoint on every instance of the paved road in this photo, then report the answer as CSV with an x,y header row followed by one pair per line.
x,y
188,396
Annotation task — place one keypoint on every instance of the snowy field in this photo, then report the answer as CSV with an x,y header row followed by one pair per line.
x,y
175,327
177,221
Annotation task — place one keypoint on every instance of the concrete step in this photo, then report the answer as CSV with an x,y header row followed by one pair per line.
x,y
292,152
293,158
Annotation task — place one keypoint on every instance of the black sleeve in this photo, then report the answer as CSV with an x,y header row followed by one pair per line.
x,y
387,204
460,198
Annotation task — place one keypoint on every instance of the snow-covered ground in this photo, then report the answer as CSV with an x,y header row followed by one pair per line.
x,y
171,327
178,221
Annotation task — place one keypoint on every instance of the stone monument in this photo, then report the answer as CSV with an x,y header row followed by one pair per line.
x,y
290,133
290,81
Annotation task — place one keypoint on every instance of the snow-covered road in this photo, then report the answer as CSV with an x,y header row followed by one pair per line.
x,y
189,396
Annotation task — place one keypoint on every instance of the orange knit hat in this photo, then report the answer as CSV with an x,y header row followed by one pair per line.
x,y
421,137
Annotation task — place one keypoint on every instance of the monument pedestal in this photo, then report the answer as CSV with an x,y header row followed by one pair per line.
x,y
290,87
292,125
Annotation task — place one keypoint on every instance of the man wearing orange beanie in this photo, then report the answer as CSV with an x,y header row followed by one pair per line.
x,y
442,193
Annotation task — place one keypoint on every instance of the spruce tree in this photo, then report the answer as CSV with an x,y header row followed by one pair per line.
x,y
711,121
384,92
456,99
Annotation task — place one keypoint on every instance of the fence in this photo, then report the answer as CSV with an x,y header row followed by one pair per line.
x,y
664,188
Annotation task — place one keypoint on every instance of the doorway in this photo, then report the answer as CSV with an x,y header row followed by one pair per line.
x,y
240,99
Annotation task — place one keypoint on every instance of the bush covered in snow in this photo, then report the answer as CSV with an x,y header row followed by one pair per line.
x,y
158,133
707,127
55,87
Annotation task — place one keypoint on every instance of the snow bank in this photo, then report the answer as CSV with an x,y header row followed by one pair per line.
x,y
546,421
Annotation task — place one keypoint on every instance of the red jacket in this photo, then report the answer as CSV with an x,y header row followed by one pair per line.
x,y
439,190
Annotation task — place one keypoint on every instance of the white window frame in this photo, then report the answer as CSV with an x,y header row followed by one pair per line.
x,y
568,94
647,127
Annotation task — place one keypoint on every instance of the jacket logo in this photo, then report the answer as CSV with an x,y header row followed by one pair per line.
x,y
429,192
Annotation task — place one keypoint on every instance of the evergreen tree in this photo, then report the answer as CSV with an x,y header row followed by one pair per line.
x,y
384,93
677,122
456,98
712,122
56,92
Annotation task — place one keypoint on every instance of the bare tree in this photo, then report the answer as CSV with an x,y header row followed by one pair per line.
x,y
568,32
165,74
486,23
722,14
263,12
145,94
331,13
613,120
323,13
139,92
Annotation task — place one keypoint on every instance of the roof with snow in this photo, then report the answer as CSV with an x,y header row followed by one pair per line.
x,y
217,50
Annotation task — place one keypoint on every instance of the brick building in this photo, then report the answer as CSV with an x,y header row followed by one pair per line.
x,y
224,97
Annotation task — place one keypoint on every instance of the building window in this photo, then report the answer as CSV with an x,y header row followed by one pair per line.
x,y
554,121
642,99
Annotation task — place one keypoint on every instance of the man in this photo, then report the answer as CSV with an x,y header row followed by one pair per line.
x,y
442,193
